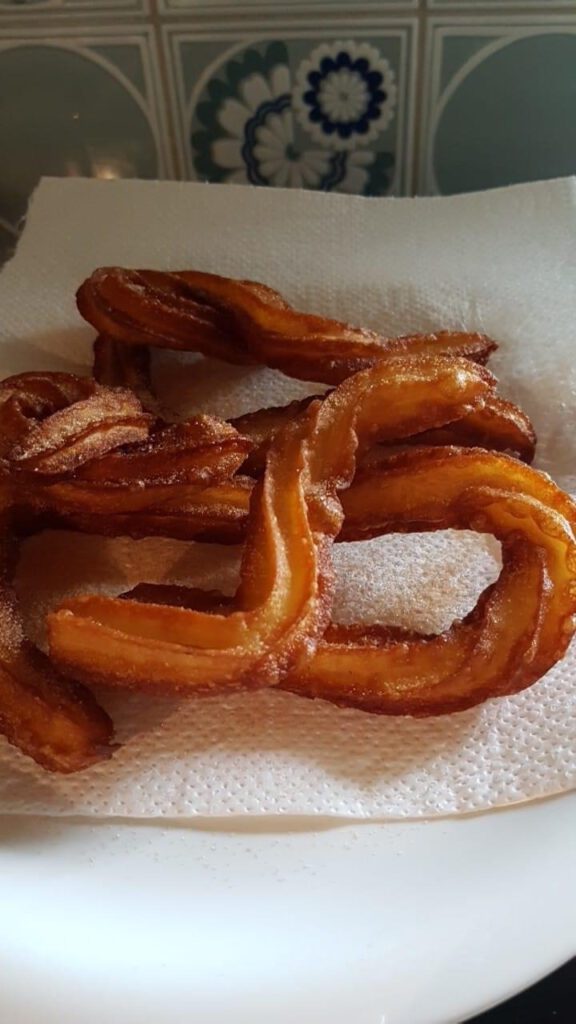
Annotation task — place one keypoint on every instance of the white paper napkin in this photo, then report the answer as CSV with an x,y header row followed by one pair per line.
x,y
503,262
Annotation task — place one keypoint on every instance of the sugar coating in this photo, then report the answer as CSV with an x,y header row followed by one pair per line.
x,y
500,263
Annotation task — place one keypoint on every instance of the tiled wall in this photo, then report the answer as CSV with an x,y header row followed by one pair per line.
x,y
387,97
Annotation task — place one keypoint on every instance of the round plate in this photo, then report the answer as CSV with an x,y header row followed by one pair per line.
x,y
249,921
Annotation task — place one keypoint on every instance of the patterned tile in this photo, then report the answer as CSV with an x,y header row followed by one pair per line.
x,y
501,95
315,108
107,7
76,104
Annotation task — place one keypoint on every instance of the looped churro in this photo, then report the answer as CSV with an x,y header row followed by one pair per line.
x,y
243,321
497,425
283,603
62,432
55,721
397,445
521,625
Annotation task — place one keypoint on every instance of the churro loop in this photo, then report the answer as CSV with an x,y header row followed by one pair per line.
x,y
521,625
283,603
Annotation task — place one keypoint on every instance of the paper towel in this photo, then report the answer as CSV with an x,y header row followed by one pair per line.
x,y
502,262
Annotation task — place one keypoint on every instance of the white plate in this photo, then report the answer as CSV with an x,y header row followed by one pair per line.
x,y
282,921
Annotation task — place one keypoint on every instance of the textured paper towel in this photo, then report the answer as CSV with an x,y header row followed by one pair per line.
x,y
502,262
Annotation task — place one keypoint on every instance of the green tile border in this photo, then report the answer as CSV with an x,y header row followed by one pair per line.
x,y
281,8
50,9
469,5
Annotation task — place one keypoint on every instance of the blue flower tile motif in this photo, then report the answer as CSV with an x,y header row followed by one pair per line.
x,y
345,93
244,131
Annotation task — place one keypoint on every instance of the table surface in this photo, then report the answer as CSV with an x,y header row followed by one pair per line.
x,y
551,1001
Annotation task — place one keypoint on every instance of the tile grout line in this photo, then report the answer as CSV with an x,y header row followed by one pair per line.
x,y
155,21
418,119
